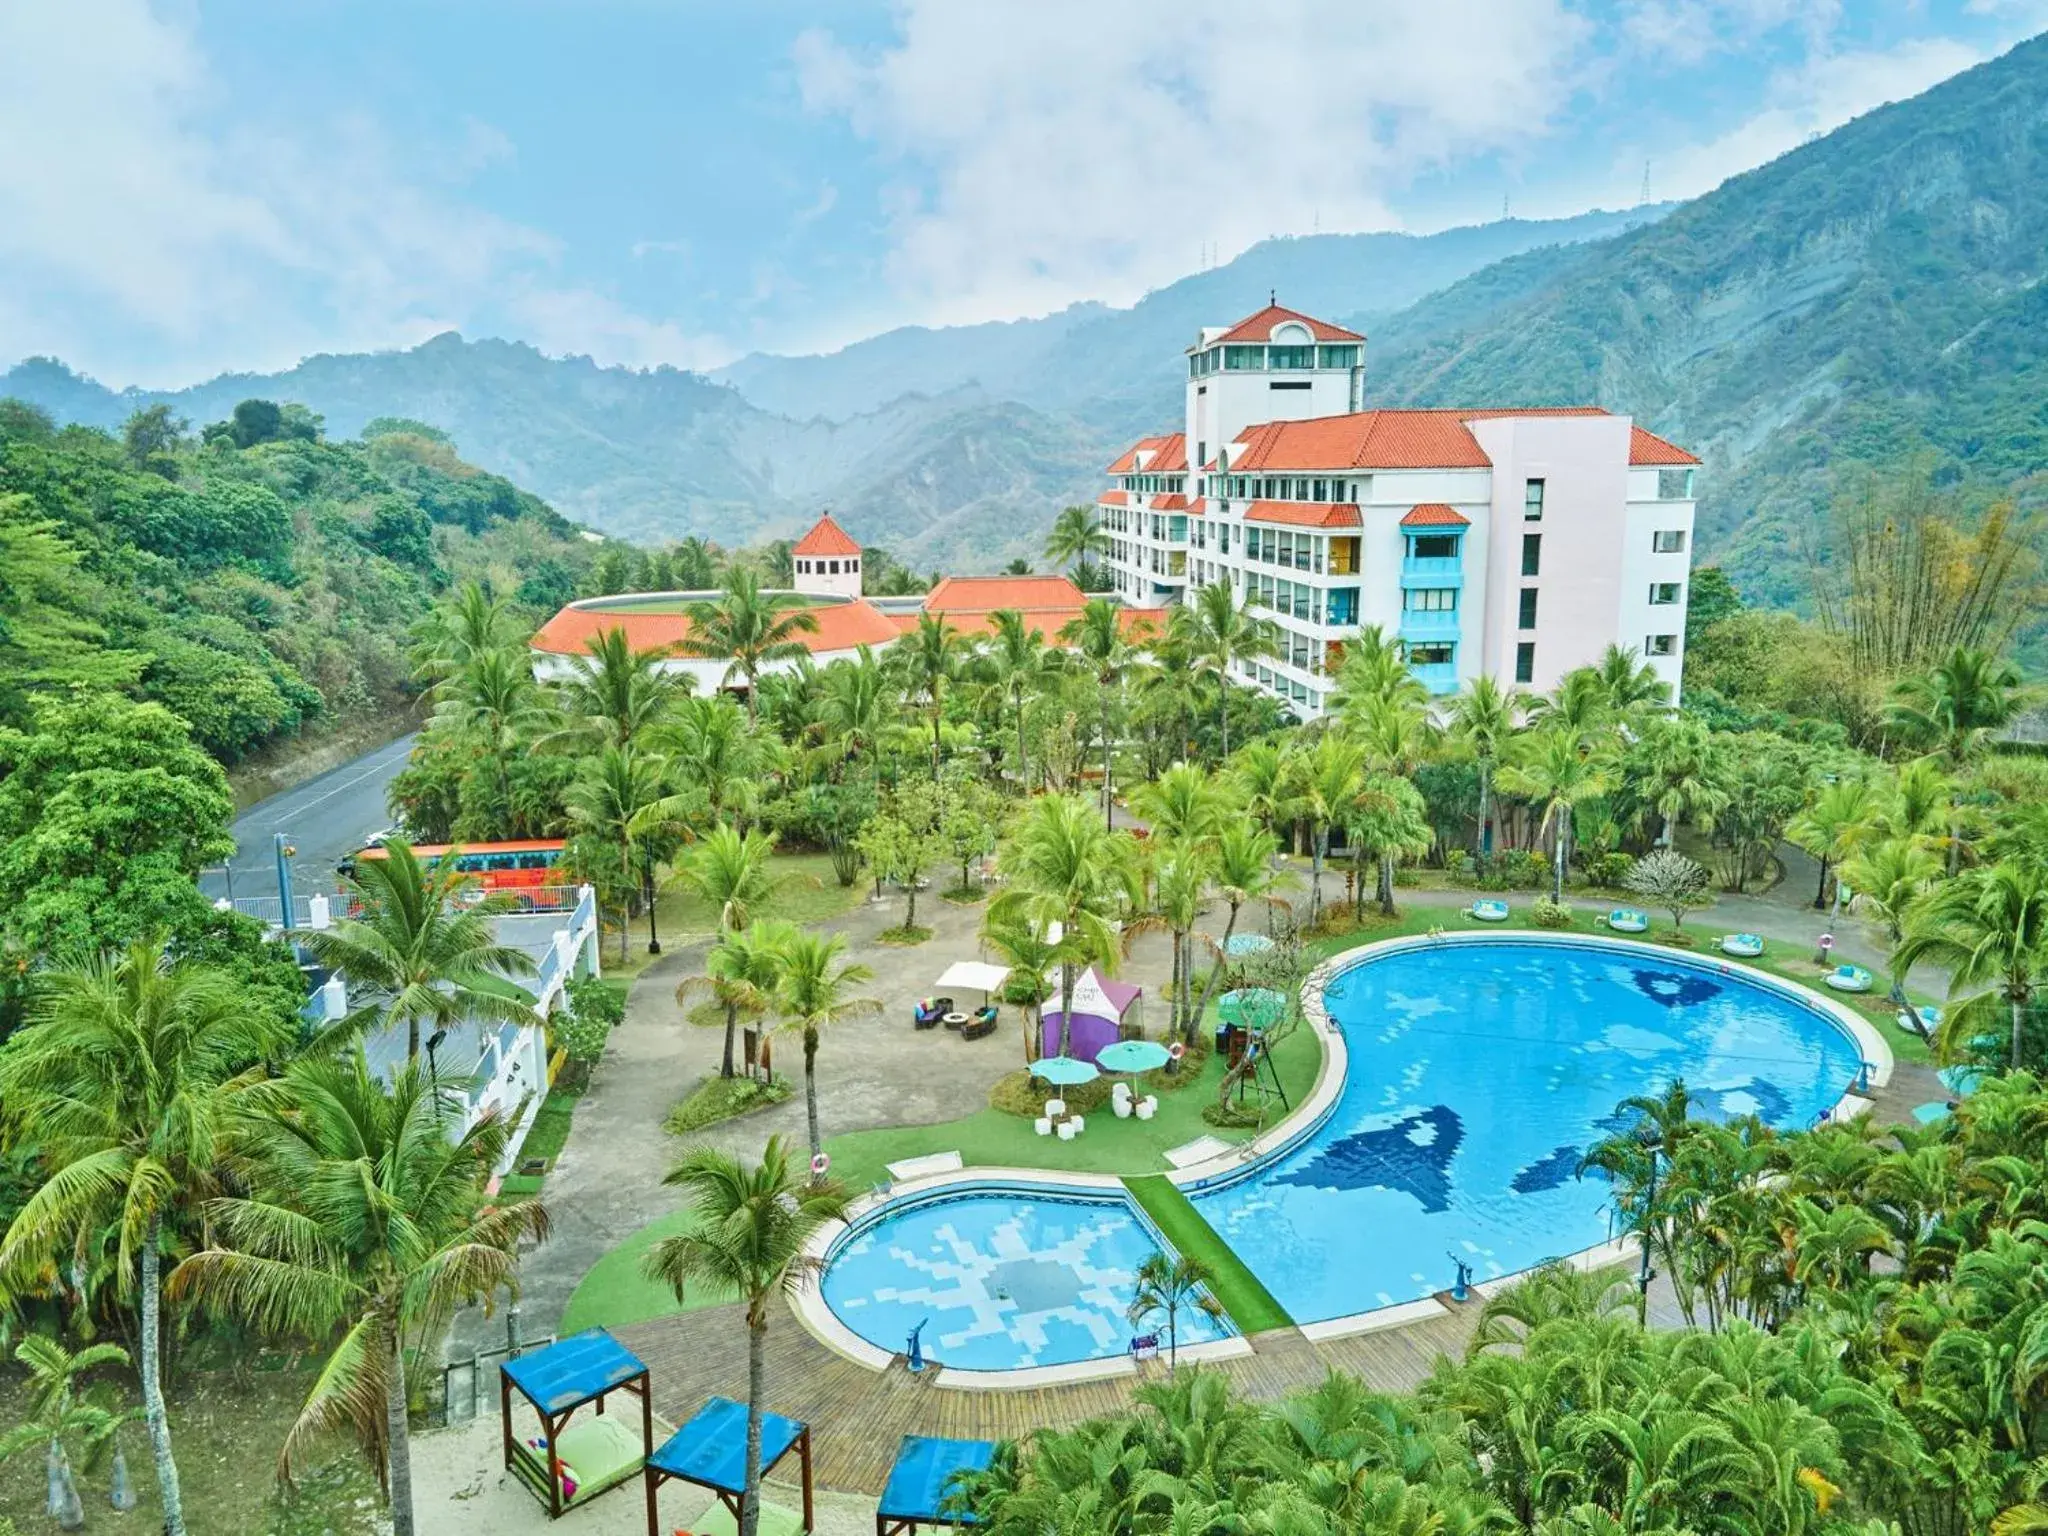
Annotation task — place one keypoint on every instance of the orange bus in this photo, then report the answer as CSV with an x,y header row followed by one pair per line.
x,y
529,872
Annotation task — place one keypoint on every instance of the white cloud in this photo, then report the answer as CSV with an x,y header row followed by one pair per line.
x,y
163,244
1054,150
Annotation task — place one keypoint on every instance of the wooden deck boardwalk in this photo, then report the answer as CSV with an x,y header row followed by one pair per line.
x,y
858,1415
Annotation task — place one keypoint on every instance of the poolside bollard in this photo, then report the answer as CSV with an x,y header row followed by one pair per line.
x,y
1461,1289
1826,948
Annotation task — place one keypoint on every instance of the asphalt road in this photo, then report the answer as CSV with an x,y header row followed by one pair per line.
x,y
324,818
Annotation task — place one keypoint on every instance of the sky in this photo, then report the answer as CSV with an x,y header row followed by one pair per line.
x,y
189,187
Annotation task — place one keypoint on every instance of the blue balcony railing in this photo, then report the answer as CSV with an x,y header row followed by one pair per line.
x,y
1439,677
1420,624
1432,571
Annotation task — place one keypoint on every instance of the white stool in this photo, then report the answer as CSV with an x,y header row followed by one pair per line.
x,y
1078,1122
1043,1126
1055,1107
1066,1130
1122,1106
1148,1107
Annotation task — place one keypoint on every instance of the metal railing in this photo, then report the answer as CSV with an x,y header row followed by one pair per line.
x,y
470,1402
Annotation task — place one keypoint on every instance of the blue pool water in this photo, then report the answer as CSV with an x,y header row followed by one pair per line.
x,y
1479,1073
1007,1278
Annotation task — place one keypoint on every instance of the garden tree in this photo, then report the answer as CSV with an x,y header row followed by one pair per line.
x,y
729,871
1483,722
970,813
1170,687
1029,954
1228,631
1674,769
857,706
1261,776
1889,874
493,697
831,816
741,972
423,947
1184,805
365,1217
1328,779
811,985
693,563
1065,867
1246,870
1374,672
1988,928
1953,708
107,814
1180,878
1765,788
613,695
1553,767
61,1415
470,622
713,759
1838,819
1630,684
618,795
752,1228
1710,597
151,438
904,838
1076,538
122,1080
1097,634
930,659
1388,820
792,704
1669,880
1016,659
1172,1286
50,638
751,627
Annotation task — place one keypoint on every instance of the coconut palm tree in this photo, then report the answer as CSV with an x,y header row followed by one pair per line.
x,y
1484,720
810,989
1989,928
715,760
857,704
1097,634
424,945
613,694
1075,537
1262,778
611,798
1839,819
1553,766
1954,708
1170,685
1330,776
1678,773
493,697
123,1078
470,623
751,627
1181,880
1066,868
1029,955
1388,819
1172,1286
748,1237
1631,685
1186,804
1888,875
61,1416
1227,631
1016,658
1374,673
1245,870
1579,706
929,660
740,972
365,1216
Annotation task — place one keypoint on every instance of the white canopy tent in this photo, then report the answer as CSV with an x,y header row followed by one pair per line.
x,y
973,975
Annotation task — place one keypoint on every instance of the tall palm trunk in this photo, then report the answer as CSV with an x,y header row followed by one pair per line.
x,y
1386,892
1108,804
1173,991
732,1026
1820,895
1023,768
757,1389
1317,851
1066,1003
398,1446
2019,1018
1562,832
1481,846
152,1376
811,1098
1216,971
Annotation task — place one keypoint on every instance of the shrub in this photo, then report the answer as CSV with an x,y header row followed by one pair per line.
x,y
1610,869
595,1008
1672,882
1532,870
1457,865
721,1098
1552,914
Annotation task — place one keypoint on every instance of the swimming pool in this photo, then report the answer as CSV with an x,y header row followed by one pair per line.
x,y
1004,1278
1479,1073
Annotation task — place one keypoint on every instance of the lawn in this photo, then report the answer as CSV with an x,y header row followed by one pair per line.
x,y
806,891
1250,1305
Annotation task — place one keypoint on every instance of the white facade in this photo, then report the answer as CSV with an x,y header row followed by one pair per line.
x,y
826,575
1518,545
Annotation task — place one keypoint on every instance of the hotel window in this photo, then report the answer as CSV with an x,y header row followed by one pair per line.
x,y
1339,357
1291,357
1238,358
1660,645
1674,485
1301,490
1430,655
1532,554
1668,541
1316,554
1532,500
1287,549
831,567
1528,616
1431,600
1664,593
1434,546
1322,491
1525,662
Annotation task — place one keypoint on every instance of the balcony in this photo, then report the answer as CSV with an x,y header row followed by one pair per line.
x,y
1418,624
1439,677
1432,571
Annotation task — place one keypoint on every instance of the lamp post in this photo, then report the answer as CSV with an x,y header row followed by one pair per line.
x,y
1648,1137
647,884
434,1043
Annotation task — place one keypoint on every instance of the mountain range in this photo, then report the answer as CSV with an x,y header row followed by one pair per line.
x,y
1872,298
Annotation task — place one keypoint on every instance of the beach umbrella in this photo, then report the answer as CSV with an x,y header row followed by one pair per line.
x,y
1132,1056
1238,945
1252,1007
1064,1071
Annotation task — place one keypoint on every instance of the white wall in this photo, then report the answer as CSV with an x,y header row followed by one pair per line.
x,y
1641,567
815,576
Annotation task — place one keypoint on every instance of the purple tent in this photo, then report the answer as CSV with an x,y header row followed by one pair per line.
x,y
1099,1008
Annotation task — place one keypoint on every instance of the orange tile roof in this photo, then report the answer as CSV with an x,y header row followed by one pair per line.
x,y
1173,501
1647,448
984,594
1434,514
826,538
1127,461
1113,499
1259,327
1304,514
841,627
1170,457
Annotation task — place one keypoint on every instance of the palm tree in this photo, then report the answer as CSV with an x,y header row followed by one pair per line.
x,y
1579,706
1955,707
1245,858
1554,767
1631,685
1680,775
1330,776
810,988
1016,657
740,972
751,1229
1832,827
729,870
1888,876
1484,720
493,695
1172,1286
424,945
1029,955
714,758
1181,877
693,563
1989,928
1185,804
471,623
365,1215
1097,634
614,694
1374,672
1389,819
1228,631
612,798
1170,683
752,627
123,1079
929,659
1075,537
857,703
1262,777
1066,868
59,1416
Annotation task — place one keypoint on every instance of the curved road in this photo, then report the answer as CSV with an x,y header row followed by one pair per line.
x,y
325,818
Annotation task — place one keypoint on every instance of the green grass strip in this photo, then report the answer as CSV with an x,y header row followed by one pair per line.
x,y
1250,1305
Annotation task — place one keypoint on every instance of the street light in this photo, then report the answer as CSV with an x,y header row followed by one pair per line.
x,y
1648,1139
434,1042
647,883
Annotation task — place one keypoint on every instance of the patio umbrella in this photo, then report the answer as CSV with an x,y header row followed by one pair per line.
x,y
1132,1056
1238,945
1252,1007
1064,1071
